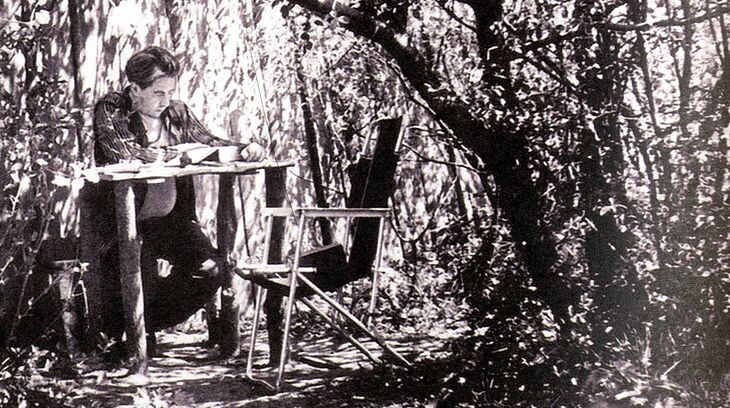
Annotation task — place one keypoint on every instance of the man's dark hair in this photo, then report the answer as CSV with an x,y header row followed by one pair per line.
x,y
141,66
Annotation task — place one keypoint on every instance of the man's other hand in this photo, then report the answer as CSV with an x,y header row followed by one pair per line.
x,y
253,152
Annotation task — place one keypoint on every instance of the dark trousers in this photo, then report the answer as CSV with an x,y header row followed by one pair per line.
x,y
171,299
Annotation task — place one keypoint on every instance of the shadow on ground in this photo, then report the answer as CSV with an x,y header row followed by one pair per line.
x,y
188,375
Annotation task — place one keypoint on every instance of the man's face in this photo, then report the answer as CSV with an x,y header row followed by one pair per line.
x,y
154,99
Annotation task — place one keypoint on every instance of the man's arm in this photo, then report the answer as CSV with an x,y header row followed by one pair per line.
x,y
116,142
194,131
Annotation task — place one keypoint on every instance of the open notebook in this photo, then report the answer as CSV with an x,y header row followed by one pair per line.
x,y
198,152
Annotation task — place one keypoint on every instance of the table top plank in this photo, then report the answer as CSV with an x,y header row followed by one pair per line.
x,y
147,171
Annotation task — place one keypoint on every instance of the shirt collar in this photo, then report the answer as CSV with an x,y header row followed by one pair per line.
x,y
136,126
127,99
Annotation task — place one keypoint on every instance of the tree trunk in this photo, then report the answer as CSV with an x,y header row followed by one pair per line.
x,y
716,349
619,297
458,190
503,150
171,12
326,136
75,36
310,135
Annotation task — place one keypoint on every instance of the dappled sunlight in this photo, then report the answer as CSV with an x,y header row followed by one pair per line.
x,y
187,373
559,208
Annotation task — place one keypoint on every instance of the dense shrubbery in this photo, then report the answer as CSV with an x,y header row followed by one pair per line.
x,y
36,149
516,354
623,152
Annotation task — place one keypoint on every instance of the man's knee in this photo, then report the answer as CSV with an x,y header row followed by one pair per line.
x,y
208,269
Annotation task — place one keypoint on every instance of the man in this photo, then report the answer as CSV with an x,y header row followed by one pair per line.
x,y
144,123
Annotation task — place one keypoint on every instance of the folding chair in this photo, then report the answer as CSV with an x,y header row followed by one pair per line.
x,y
317,272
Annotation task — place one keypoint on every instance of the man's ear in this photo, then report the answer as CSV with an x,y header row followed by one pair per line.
x,y
135,88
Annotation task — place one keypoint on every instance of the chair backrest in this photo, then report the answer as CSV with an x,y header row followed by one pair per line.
x,y
372,184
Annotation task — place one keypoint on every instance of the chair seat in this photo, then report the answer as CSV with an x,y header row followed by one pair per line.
x,y
327,268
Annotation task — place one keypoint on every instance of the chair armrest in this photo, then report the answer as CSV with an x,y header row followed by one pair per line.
x,y
271,269
312,212
277,212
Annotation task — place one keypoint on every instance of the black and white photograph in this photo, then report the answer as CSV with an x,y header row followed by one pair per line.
x,y
365,203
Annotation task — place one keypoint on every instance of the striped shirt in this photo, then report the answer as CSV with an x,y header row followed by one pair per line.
x,y
120,134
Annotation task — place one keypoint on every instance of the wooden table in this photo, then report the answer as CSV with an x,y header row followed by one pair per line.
x,y
123,177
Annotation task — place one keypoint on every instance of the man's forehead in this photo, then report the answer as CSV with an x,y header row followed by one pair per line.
x,y
163,82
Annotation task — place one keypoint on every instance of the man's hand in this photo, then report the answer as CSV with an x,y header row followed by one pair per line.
x,y
253,152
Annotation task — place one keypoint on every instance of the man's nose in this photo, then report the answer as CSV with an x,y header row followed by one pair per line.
x,y
165,101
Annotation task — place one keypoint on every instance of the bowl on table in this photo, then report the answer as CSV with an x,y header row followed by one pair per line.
x,y
227,154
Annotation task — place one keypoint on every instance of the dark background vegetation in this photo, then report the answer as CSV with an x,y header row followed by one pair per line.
x,y
563,186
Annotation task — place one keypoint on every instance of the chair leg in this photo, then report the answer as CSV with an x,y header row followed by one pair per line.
x,y
355,342
260,293
287,329
293,277
376,274
355,321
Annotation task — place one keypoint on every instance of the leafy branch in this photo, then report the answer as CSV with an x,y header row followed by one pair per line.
x,y
444,162
647,25
457,18
444,102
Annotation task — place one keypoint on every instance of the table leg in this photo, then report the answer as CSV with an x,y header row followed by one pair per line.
x,y
90,239
275,181
212,317
131,276
230,303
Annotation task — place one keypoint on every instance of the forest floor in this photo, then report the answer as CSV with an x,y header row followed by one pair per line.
x,y
186,374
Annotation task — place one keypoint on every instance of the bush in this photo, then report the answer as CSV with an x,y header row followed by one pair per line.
x,y
36,151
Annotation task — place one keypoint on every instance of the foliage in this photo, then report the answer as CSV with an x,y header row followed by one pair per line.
x,y
614,115
22,383
629,154
36,149
38,143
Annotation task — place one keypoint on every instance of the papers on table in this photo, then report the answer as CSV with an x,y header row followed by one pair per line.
x,y
194,153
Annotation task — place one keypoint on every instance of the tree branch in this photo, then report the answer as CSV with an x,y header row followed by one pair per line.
x,y
670,22
500,145
452,14
443,102
437,161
